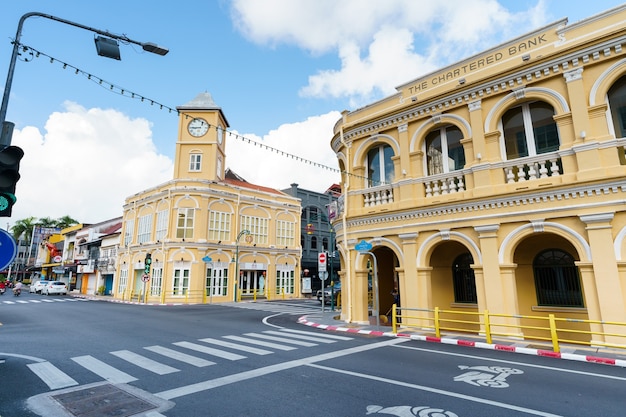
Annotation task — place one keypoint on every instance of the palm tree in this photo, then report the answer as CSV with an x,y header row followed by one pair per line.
x,y
24,228
65,221
46,222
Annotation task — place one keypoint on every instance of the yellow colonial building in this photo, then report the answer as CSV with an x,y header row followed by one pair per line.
x,y
209,235
497,183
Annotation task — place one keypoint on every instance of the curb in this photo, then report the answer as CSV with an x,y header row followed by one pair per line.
x,y
470,343
113,300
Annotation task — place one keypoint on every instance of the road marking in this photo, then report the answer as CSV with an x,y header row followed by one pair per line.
x,y
236,346
51,375
179,356
254,373
145,363
281,339
323,335
530,365
210,351
438,391
103,370
260,343
22,302
301,336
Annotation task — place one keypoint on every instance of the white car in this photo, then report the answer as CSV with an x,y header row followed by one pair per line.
x,y
37,286
54,287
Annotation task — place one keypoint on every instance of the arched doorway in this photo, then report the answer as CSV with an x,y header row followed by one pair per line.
x,y
387,278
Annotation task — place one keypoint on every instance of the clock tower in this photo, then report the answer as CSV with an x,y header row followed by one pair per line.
x,y
200,149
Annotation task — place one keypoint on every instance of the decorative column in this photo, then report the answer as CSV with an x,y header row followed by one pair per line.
x,y
609,292
500,292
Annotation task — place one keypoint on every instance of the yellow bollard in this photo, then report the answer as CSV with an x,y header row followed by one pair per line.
x,y
394,318
437,329
487,327
553,334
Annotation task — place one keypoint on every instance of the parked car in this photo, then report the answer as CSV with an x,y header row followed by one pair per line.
x,y
37,286
54,287
327,295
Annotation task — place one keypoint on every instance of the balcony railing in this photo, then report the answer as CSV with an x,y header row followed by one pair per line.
x,y
442,184
375,196
532,168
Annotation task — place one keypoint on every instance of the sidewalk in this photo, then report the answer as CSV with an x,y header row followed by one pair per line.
x,y
329,320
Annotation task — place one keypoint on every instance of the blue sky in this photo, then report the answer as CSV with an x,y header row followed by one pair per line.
x,y
282,71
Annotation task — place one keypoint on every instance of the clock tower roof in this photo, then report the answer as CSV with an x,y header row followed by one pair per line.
x,y
203,101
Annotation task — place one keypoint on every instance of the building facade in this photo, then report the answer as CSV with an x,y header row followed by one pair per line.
x,y
316,235
207,235
497,183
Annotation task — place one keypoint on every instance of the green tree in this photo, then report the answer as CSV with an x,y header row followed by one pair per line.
x,y
46,222
65,221
24,228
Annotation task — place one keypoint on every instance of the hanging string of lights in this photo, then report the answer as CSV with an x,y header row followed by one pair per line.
x,y
32,53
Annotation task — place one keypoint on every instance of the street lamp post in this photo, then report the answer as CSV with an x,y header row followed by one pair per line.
x,y
7,130
243,232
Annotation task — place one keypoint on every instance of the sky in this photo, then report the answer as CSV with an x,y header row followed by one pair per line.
x,y
282,72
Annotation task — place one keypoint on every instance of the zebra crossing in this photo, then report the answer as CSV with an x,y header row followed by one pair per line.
x,y
277,306
17,301
199,353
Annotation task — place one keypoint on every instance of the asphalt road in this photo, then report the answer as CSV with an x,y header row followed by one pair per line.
x,y
225,360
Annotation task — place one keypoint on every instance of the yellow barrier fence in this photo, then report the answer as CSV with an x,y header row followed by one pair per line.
x,y
548,328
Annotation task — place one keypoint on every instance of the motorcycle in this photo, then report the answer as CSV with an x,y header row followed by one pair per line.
x,y
17,292
2,290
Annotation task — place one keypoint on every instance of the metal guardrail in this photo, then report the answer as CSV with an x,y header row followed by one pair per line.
x,y
483,323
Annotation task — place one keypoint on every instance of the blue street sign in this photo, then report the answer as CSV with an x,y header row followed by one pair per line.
x,y
8,249
363,246
207,259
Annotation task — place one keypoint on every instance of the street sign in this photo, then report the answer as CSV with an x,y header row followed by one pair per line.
x,y
363,246
207,259
321,262
145,277
8,249
323,275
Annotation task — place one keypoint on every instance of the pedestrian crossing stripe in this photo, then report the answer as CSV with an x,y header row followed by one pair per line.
x,y
283,340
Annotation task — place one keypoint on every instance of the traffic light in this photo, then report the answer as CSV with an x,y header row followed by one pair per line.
x,y
147,262
10,158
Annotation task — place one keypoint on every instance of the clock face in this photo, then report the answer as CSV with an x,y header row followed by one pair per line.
x,y
220,135
198,127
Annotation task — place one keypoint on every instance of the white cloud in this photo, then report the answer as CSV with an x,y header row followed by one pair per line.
x,y
381,44
309,140
85,164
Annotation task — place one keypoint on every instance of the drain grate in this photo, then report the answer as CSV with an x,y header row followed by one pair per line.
x,y
102,401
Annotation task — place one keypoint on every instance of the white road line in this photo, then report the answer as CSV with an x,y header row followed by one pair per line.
x,y
254,373
323,335
530,365
51,375
236,346
22,302
115,376
281,339
179,356
260,343
9,302
145,363
528,411
48,301
300,336
210,351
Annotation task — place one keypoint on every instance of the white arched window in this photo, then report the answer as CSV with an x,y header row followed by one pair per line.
x,y
444,151
380,165
529,130
617,105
